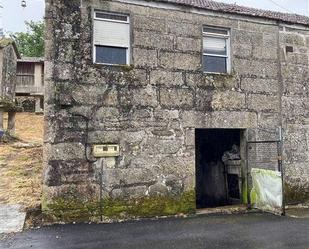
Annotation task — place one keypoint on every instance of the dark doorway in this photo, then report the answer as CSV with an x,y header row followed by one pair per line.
x,y
218,167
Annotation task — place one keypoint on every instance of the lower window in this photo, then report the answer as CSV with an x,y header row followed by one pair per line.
x,y
111,55
215,64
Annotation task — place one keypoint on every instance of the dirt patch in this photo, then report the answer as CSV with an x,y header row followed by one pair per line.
x,y
20,174
29,127
21,166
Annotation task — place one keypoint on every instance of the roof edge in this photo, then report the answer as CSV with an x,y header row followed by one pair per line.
x,y
240,10
32,59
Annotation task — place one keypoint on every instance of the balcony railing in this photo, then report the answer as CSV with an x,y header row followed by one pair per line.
x,y
26,84
25,80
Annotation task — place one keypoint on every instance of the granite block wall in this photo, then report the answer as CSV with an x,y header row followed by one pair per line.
x,y
152,107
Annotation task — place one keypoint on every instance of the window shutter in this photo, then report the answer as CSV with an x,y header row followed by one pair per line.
x,y
113,34
214,45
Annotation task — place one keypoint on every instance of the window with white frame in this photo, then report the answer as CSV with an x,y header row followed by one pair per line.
x,y
216,50
111,38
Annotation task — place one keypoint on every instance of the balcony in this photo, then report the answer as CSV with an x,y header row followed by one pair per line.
x,y
26,84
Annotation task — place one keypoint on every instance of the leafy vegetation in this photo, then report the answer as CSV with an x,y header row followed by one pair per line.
x,y
31,43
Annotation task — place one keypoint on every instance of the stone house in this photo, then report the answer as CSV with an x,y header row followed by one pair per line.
x,y
30,83
8,62
145,99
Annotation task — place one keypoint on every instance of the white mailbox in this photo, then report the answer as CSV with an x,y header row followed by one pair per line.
x,y
106,150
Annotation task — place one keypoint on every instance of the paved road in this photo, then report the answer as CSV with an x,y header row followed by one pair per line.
x,y
258,231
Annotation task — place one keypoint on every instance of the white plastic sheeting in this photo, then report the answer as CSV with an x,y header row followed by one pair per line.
x,y
266,193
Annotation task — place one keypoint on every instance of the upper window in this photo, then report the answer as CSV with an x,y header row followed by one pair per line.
x,y
216,50
111,38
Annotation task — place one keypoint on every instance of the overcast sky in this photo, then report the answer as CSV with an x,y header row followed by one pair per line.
x,y
14,16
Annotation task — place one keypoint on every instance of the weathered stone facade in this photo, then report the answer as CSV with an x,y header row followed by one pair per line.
x,y
8,64
152,108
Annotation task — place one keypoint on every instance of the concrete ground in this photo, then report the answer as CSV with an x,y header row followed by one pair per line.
x,y
254,231
298,211
11,218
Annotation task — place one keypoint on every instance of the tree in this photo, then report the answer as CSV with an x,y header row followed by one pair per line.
x,y
31,43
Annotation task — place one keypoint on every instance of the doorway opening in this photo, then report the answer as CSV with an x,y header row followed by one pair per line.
x,y
218,167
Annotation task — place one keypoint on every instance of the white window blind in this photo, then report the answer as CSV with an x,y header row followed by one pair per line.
x,y
115,34
214,45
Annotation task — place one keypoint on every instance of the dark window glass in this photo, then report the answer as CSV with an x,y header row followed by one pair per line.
x,y
111,16
214,64
111,55
215,31
289,49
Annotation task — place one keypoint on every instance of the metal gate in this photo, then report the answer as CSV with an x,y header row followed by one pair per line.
x,y
265,155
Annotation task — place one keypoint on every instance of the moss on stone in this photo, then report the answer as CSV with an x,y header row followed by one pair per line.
x,y
127,67
294,194
5,42
222,76
67,210
8,105
244,193
150,206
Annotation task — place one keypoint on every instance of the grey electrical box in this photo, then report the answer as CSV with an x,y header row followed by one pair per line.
x,y
106,150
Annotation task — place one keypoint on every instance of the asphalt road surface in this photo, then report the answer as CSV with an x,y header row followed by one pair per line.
x,y
247,231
